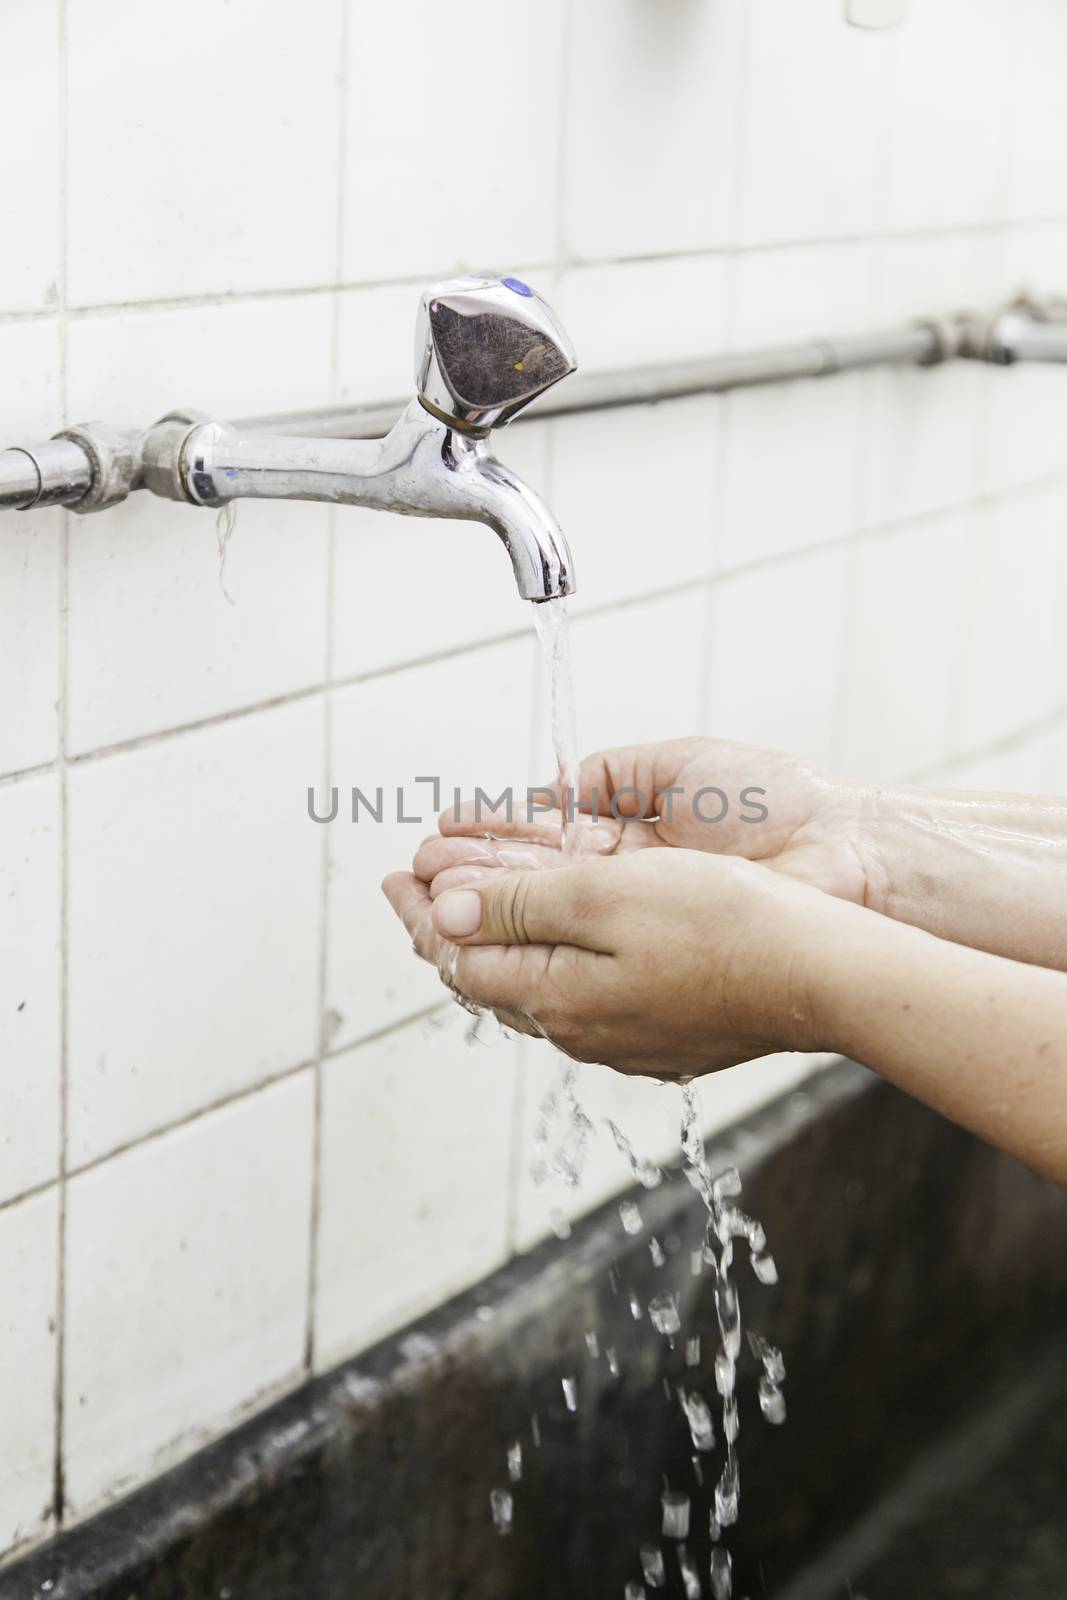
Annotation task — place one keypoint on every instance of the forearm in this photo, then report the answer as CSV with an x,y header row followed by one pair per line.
x,y
981,1039
989,871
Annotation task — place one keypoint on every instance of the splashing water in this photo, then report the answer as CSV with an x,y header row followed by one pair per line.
x,y
646,1173
502,1507
675,1506
655,1573
726,1222
563,1135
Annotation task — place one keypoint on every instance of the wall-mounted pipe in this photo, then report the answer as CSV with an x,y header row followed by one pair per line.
x,y
630,386
93,467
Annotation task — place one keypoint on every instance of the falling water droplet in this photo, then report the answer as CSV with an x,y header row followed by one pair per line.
x,y
570,1393
515,1460
765,1268
675,1514
698,1416
772,1401
503,1508
652,1565
690,1575
663,1314
722,1582
559,1222
630,1217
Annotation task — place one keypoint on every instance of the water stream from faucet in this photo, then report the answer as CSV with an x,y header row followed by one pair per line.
x,y
553,630
562,1139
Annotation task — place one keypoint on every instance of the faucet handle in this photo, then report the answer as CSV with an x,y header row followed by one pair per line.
x,y
486,347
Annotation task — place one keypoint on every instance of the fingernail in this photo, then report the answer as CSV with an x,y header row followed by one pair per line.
x,y
458,914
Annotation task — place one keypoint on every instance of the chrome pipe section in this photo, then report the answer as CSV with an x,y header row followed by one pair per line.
x,y
55,473
634,386
1017,336
488,350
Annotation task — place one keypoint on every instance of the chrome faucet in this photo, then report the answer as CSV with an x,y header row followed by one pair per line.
x,y
484,348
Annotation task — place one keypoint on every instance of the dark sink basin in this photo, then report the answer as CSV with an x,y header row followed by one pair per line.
x,y
921,1312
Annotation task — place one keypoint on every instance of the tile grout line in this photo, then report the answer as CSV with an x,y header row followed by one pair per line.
x,y
235,1097
315,1205
58,1444
564,262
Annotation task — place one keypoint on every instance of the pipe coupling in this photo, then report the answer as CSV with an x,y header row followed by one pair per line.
x,y
114,464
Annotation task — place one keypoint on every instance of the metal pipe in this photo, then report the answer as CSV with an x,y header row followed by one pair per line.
x,y
63,471
631,386
55,473
1018,337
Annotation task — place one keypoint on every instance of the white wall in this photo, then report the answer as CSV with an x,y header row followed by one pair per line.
x,y
229,1150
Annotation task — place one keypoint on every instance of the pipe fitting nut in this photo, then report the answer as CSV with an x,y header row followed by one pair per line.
x,y
948,336
114,462
163,453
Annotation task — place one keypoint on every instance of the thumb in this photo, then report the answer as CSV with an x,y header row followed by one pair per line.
x,y
566,906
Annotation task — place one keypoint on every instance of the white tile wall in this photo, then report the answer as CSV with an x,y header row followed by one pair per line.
x,y
470,141
926,425
402,587
1015,670
669,144
29,554
201,1238
651,525
968,180
777,636
194,922
633,313
239,214
28,1233
796,451
464,720
416,1138
188,165
29,984
909,611
30,103
814,122
640,676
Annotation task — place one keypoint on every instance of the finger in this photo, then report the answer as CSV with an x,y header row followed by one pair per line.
x,y
461,878
629,781
438,855
527,823
571,907
410,899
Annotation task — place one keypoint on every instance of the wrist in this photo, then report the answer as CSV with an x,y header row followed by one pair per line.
x,y
810,940
890,827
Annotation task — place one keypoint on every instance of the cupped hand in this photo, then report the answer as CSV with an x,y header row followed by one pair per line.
x,y
696,794
668,962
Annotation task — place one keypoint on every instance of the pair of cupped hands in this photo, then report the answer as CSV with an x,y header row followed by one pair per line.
x,y
668,945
